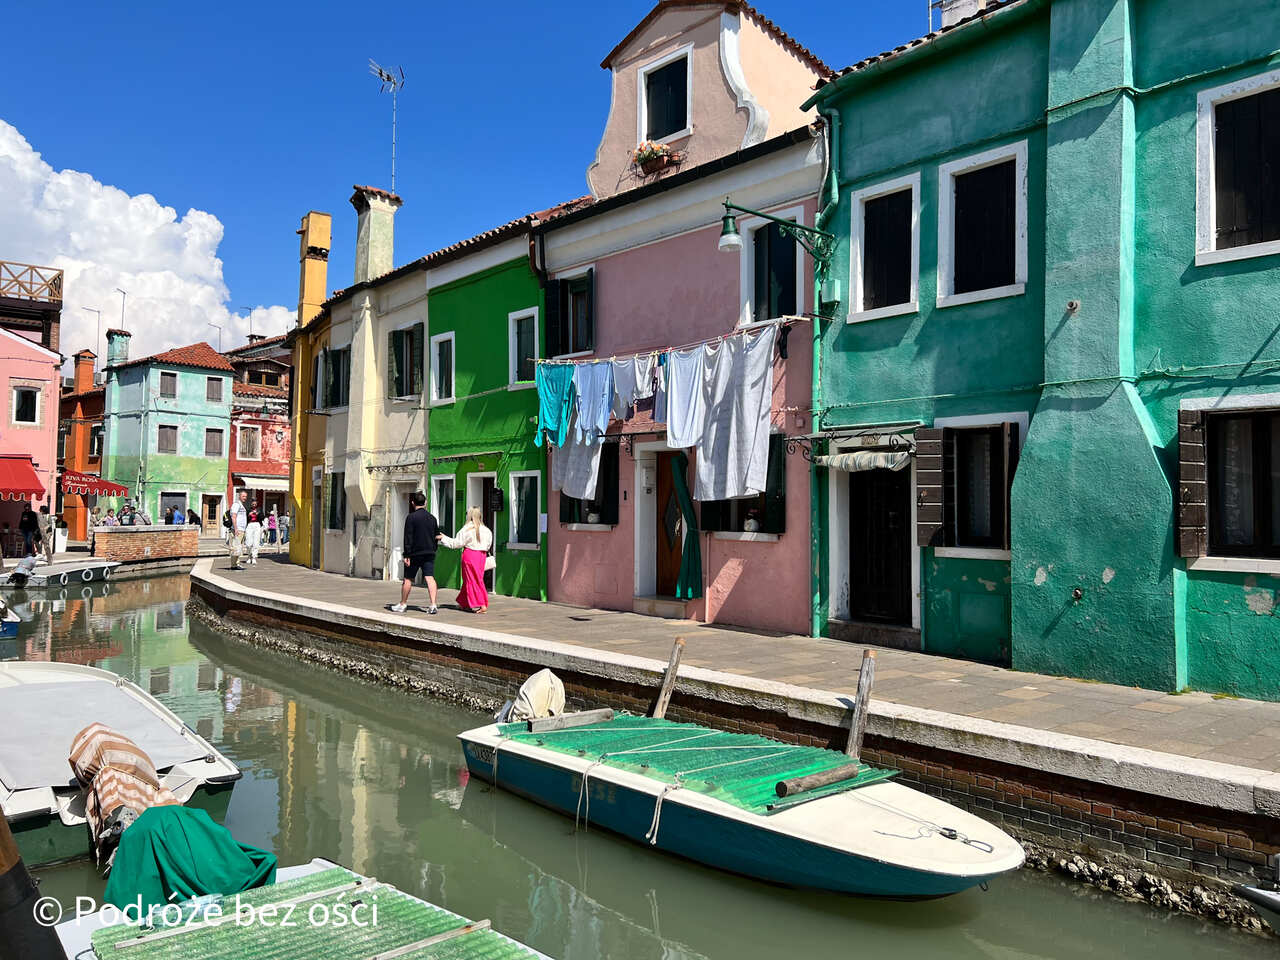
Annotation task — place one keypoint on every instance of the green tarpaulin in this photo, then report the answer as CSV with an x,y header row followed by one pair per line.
x,y
173,853
689,585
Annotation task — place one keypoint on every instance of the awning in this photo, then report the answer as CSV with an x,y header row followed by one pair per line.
x,y
18,480
859,460
73,481
262,483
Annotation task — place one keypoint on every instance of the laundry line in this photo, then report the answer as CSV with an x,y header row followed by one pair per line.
x,y
721,338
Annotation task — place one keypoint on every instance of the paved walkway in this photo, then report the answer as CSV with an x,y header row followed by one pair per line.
x,y
1242,732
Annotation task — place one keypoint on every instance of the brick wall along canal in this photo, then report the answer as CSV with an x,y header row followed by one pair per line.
x,y
373,778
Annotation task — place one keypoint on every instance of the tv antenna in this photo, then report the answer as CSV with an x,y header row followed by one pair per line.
x,y
390,80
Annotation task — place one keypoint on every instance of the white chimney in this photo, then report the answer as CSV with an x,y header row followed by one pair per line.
x,y
954,11
375,231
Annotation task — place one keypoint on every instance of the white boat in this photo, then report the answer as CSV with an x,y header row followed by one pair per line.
x,y
43,706
709,796
60,573
1266,900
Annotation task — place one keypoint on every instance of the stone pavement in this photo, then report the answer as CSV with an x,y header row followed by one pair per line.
x,y
1225,730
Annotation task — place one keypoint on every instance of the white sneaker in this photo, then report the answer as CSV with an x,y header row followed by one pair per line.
x,y
433,610
398,608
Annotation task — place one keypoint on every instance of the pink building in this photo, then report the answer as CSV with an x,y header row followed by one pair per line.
x,y
639,270
30,312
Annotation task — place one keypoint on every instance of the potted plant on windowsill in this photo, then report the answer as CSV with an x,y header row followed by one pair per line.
x,y
651,156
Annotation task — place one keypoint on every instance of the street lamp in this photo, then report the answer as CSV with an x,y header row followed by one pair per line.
x,y
96,311
820,244
219,329
123,295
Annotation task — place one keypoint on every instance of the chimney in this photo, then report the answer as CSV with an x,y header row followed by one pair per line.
x,y
954,11
82,376
255,337
117,346
375,231
313,260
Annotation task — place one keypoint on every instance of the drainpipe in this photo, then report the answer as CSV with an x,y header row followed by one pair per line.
x,y
818,540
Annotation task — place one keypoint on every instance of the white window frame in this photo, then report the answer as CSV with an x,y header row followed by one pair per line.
x,y
513,360
1023,419
1206,203
222,389
642,94
240,429
160,384
573,274
13,405
947,173
747,227
96,430
859,199
453,503
437,401
512,542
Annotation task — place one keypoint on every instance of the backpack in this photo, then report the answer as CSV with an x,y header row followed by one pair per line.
x,y
226,519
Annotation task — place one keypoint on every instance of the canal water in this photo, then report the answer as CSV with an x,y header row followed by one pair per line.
x,y
373,779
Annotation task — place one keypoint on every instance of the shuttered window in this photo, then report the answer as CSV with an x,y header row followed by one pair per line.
x,y
571,315
768,510
213,443
167,439
666,92
523,345
213,389
336,507
442,366
604,507
248,442
1243,510
985,228
775,273
1246,170
886,250
963,479
405,361
337,374
168,384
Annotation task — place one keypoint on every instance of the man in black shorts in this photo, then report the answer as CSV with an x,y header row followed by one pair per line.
x,y
419,550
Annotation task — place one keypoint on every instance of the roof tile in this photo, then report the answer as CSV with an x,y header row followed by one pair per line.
x,y
194,355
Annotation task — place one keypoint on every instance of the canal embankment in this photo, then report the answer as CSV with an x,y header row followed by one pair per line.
x,y
1118,810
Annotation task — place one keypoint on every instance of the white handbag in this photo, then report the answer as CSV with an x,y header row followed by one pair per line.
x,y
490,562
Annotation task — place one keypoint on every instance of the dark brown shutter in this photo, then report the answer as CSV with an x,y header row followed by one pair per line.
x,y
555,317
1193,513
929,487
713,515
590,339
775,491
607,484
1010,465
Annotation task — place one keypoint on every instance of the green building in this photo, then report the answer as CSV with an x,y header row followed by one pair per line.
x,y
1057,223
167,421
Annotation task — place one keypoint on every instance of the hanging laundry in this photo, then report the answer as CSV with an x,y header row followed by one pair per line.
x,y
660,389
634,378
555,401
575,467
733,451
594,384
686,412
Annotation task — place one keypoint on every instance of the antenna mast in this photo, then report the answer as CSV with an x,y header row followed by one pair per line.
x,y
389,80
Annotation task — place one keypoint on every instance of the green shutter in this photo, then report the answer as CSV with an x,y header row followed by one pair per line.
x,y
775,491
590,343
393,364
607,484
417,354
715,514
327,354
553,317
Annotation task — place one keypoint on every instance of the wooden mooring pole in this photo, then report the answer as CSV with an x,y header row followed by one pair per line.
x,y
669,679
858,718
22,934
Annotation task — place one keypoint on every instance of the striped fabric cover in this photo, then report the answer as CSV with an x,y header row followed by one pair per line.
x,y
115,772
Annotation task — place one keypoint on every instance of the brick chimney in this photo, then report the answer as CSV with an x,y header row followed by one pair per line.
x,y
255,337
117,346
82,377
375,231
313,263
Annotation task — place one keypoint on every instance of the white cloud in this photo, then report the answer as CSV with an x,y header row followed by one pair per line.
x,y
103,238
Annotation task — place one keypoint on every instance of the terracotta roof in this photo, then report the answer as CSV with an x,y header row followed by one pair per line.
x,y
85,352
242,389
739,6
70,394
123,333
265,342
384,194
194,355
991,7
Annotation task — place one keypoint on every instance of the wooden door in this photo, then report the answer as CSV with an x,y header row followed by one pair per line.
x,y
209,514
670,533
487,486
880,546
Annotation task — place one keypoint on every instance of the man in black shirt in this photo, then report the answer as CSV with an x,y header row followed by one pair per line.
x,y
419,549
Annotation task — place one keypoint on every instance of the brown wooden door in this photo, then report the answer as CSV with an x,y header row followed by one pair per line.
x,y
880,546
209,513
670,533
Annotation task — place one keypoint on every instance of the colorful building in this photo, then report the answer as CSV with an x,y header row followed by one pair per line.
x,y
261,430
80,439
1057,238
640,271
168,423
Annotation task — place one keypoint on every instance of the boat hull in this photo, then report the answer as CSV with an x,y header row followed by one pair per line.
x,y
724,842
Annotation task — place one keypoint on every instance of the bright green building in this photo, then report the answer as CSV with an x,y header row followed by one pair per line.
x,y
1058,229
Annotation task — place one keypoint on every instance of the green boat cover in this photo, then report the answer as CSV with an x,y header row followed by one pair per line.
x,y
173,853
739,768
401,921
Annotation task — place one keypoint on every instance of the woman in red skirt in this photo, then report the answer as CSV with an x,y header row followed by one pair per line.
x,y
474,540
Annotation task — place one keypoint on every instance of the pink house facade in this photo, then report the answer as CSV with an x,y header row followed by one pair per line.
x,y
645,257
30,381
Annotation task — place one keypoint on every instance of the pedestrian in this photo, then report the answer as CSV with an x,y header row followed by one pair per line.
x,y
474,540
193,519
273,529
48,532
285,524
419,548
239,519
168,516
253,535
111,520
95,517
29,527
179,517
141,518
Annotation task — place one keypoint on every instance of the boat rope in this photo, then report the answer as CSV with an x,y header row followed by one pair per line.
x,y
927,828
583,792
652,835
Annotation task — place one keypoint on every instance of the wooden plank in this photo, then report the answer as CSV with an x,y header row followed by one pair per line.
x,y
669,679
789,788
409,948
858,718
566,720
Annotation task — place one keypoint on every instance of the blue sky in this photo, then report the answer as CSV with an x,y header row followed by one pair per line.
x,y
258,112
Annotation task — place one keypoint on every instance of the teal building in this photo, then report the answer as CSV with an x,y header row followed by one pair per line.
x,y
1056,353
167,424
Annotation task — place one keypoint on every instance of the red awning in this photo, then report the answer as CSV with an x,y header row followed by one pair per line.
x,y
86,483
18,480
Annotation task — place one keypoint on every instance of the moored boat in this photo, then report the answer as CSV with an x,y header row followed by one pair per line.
x,y
61,573
42,708
713,796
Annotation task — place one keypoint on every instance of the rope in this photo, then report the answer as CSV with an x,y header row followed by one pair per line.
x,y
584,792
652,835
928,828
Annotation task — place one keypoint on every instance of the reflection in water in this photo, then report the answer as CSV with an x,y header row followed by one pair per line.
x,y
374,779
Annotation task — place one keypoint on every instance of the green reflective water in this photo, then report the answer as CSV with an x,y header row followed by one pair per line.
x,y
373,779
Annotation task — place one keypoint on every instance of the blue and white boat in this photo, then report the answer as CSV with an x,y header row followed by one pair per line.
x,y
712,796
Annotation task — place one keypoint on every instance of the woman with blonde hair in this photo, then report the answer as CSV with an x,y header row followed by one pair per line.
x,y
474,540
